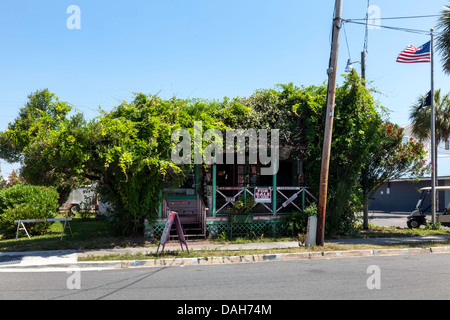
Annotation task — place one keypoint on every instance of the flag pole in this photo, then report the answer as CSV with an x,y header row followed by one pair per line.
x,y
433,136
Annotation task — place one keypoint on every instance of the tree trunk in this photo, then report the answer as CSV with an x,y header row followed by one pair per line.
x,y
366,215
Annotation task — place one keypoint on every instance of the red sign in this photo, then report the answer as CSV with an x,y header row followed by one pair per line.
x,y
263,195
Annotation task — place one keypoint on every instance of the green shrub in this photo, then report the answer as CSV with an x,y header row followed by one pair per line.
x,y
21,202
241,206
297,222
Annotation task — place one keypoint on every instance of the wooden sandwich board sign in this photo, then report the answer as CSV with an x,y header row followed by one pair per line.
x,y
171,220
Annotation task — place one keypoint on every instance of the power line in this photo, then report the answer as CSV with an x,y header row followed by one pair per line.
x,y
401,18
393,28
346,41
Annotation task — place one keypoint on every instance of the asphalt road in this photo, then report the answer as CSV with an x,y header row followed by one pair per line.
x,y
399,277
389,219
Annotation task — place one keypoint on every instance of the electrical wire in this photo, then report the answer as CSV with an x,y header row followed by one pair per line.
x,y
393,28
346,41
400,18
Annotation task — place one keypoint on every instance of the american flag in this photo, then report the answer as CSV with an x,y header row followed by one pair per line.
x,y
416,55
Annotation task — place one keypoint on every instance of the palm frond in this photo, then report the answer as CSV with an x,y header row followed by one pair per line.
x,y
443,41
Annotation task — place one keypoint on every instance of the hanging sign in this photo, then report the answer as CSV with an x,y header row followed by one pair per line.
x,y
263,195
171,220
288,201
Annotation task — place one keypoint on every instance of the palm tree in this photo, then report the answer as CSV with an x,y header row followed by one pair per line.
x,y
421,118
443,41
421,121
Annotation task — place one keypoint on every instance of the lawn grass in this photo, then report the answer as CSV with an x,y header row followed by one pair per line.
x,y
96,234
231,253
390,232
88,233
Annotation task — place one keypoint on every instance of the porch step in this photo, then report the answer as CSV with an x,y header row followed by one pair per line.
x,y
189,230
191,220
202,235
192,229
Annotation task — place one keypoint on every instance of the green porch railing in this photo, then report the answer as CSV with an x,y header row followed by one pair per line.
x,y
299,193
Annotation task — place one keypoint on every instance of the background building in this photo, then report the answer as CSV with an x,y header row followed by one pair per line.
x,y
401,195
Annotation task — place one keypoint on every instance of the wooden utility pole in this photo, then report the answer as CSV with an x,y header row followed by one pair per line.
x,y
363,65
331,98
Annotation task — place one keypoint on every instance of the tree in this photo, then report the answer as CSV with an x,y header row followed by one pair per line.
x,y
42,112
443,40
273,109
421,119
355,133
390,158
364,153
38,121
127,151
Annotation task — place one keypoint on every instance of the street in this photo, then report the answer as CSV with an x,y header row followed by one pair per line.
x,y
389,219
387,277
392,219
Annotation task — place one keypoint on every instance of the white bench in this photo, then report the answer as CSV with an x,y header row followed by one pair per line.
x,y
21,223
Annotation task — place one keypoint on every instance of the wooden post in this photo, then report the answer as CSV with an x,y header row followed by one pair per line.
x,y
363,65
329,116
197,178
214,186
274,185
160,206
303,200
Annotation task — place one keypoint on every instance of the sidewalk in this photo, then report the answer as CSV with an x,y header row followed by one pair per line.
x,y
192,246
66,260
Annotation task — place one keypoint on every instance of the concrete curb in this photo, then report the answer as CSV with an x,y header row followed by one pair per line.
x,y
181,262
68,260
276,257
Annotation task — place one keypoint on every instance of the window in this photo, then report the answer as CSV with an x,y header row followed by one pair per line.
x,y
405,139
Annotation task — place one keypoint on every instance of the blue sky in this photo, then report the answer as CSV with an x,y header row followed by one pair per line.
x,y
199,48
